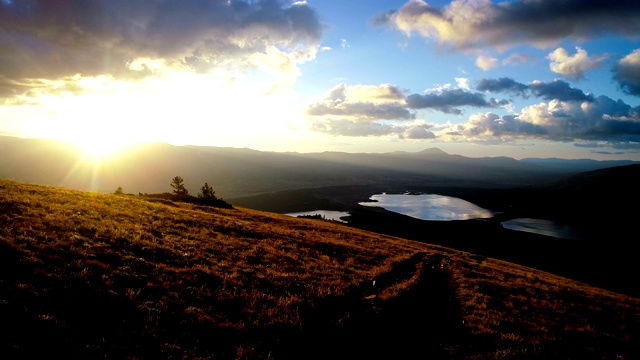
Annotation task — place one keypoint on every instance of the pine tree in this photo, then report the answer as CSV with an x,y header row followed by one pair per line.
x,y
177,183
206,192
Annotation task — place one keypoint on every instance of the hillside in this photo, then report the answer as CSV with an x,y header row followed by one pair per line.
x,y
597,203
591,195
85,275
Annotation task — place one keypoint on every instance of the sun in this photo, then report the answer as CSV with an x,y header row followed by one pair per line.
x,y
100,148
99,143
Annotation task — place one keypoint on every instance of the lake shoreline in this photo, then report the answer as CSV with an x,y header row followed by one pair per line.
x,y
604,265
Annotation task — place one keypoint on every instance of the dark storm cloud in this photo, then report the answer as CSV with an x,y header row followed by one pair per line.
x,y
57,39
502,85
558,90
448,101
627,73
554,90
473,24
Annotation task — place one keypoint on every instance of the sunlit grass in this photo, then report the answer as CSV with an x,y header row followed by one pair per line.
x,y
96,275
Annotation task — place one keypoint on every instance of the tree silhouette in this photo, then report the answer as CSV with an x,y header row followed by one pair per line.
x,y
119,191
177,183
206,192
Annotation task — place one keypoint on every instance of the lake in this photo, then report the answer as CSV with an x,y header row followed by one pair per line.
x,y
327,214
544,227
429,206
435,207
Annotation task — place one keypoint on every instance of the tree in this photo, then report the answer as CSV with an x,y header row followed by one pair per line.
x,y
177,183
206,192
119,191
208,197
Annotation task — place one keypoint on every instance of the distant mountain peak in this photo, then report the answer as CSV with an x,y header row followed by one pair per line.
x,y
432,151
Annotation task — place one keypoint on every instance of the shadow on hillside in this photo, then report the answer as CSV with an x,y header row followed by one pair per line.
x,y
46,315
607,261
49,314
422,321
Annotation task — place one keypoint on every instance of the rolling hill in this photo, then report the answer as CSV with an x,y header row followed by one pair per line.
x,y
598,203
88,275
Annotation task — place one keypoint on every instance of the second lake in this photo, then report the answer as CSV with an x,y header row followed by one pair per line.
x,y
429,206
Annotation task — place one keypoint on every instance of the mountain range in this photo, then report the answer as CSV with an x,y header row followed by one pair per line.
x,y
235,172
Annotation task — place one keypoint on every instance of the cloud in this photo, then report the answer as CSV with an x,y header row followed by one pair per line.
x,y
622,146
558,90
518,59
449,101
352,128
490,125
365,110
463,83
555,90
362,102
568,114
574,66
603,119
502,85
341,127
486,63
418,131
43,40
439,88
474,24
387,102
627,73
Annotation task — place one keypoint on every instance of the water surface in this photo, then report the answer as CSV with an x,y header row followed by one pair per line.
x,y
327,214
543,227
429,206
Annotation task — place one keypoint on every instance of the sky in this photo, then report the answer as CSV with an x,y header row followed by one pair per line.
x,y
520,78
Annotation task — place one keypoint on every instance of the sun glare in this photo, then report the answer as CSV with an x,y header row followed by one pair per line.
x,y
100,148
112,116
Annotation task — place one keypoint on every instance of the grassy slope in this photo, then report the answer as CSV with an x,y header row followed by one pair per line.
x,y
89,276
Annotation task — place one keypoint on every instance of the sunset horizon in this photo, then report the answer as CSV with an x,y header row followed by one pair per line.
x,y
474,78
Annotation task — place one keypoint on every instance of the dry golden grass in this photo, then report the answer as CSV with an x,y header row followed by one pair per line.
x,y
86,275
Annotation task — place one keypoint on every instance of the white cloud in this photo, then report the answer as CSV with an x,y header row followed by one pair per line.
x,y
418,130
486,62
573,66
362,102
439,88
463,83
380,94
602,120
